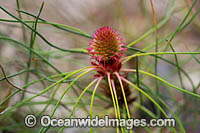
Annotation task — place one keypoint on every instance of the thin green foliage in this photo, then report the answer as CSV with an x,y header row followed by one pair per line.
x,y
49,80
43,38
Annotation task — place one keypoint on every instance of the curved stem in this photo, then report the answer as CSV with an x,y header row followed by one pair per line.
x,y
124,95
115,96
113,99
59,26
57,104
116,99
33,51
149,97
92,100
42,37
16,74
162,22
10,83
144,93
175,115
146,110
83,92
164,81
49,102
174,64
45,90
183,21
31,45
79,98
156,53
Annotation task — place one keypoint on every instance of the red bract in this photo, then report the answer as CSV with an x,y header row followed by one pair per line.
x,y
109,66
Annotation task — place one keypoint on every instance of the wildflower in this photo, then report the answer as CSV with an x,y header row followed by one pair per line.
x,y
106,49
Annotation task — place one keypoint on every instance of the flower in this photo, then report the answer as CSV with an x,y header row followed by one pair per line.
x,y
106,49
105,45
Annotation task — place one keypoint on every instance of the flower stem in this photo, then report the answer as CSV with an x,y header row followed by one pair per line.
x,y
144,93
164,81
57,104
116,99
42,92
124,95
113,99
92,100
156,53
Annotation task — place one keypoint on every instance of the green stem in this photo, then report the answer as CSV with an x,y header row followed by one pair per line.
x,y
156,53
20,16
42,92
63,94
92,100
156,48
182,130
170,62
124,95
43,38
79,98
163,22
116,99
171,85
149,97
32,40
138,80
16,74
49,102
62,27
182,22
145,94
113,99
36,53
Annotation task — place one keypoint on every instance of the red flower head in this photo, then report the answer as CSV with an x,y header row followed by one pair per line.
x,y
107,49
105,45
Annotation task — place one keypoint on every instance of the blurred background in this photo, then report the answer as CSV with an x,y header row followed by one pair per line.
x,y
131,19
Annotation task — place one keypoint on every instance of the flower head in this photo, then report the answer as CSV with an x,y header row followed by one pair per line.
x,y
106,49
106,44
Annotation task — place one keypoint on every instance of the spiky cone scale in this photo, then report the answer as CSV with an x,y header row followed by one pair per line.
x,y
106,44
